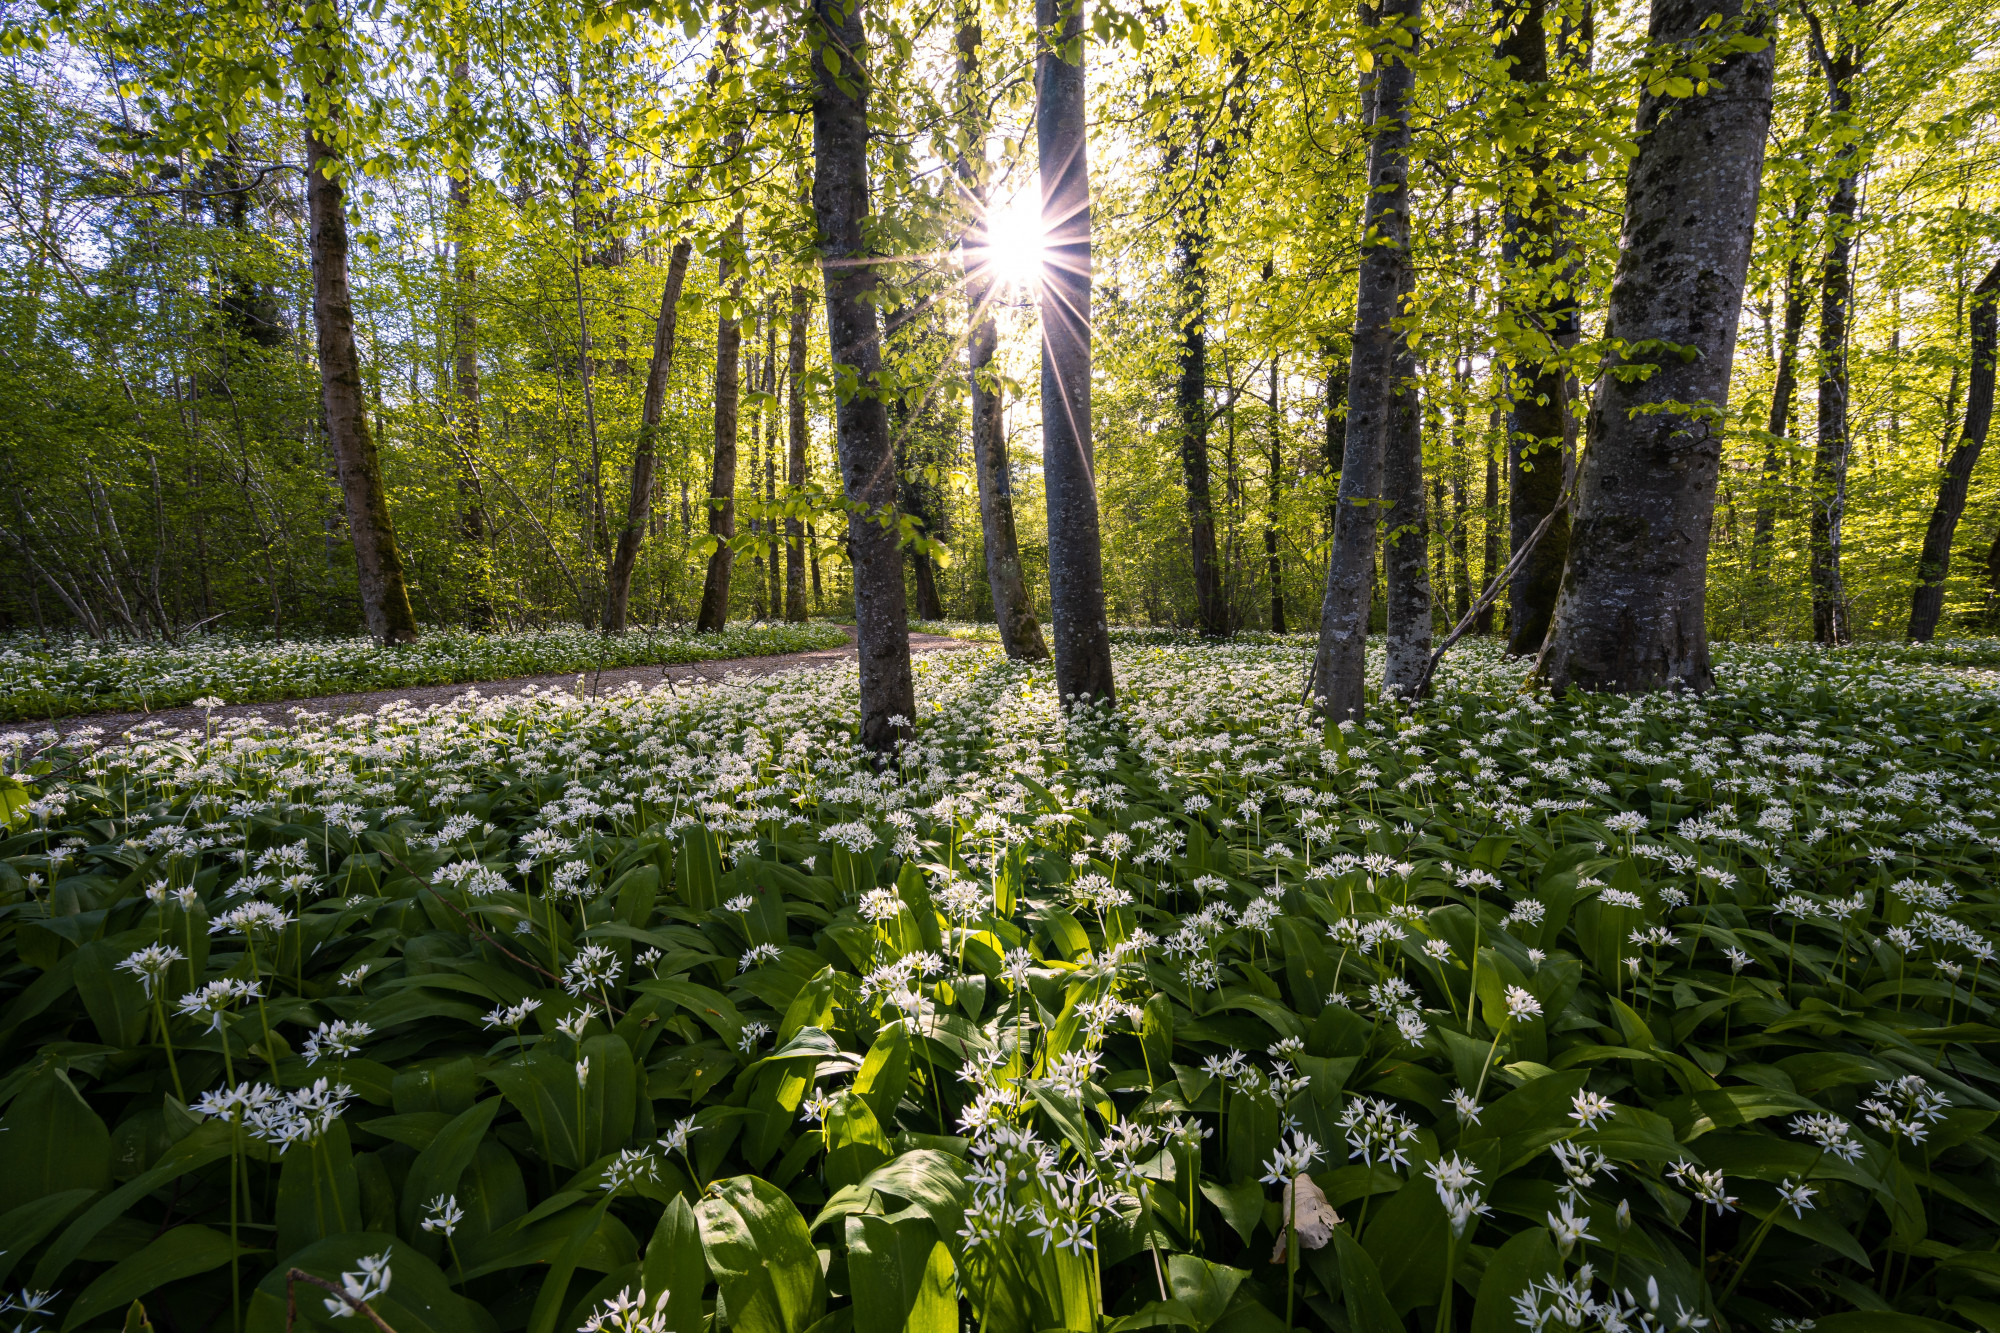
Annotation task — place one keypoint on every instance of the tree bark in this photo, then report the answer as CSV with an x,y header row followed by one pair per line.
x,y
639,503
1834,441
1784,388
1013,609
795,459
1274,492
916,503
1490,557
1630,616
867,465
1934,565
1407,543
1531,249
385,599
1191,402
714,612
1076,569
1339,678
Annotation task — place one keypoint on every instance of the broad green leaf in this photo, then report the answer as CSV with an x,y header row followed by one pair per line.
x,y
1527,1257
761,1256
855,1143
900,1276
182,1252
675,1264
419,1300
1204,1288
1361,1286
51,1142
435,1173
886,1072
319,1194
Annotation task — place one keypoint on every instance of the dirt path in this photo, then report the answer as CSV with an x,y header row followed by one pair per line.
x,y
423,696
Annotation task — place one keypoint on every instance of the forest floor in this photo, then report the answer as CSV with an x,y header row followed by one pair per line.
x,y
589,684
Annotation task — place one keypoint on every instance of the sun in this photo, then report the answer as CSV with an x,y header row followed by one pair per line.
x,y
1013,253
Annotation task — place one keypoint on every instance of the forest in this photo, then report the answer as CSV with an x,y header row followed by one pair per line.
x,y
835,666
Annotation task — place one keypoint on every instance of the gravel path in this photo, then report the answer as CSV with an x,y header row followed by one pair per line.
x,y
423,696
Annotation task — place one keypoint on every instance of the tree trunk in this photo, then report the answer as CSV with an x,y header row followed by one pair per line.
x,y
1532,250
867,464
639,503
1191,405
1934,565
472,526
1274,567
1407,541
774,579
1784,389
1489,568
1630,616
795,460
1076,569
1834,442
1013,609
722,475
1340,663
915,503
385,600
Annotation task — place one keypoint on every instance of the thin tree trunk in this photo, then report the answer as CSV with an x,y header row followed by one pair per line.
x,y
1013,609
722,475
1489,567
867,465
1834,442
1339,679
795,460
639,503
1407,541
1630,616
1191,401
472,525
1532,250
385,600
774,579
1798,298
1076,569
1934,565
1274,567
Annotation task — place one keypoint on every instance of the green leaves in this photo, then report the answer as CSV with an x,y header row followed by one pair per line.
x,y
762,1259
51,1141
900,1275
183,1252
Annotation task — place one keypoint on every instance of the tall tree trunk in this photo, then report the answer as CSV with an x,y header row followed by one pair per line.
x,y
1532,250
774,579
472,526
1341,660
1076,568
1335,436
1407,541
1630,616
916,503
722,475
1274,567
795,459
1934,565
1489,568
385,600
639,503
867,464
1798,298
1461,573
1834,442
1013,609
1191,402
